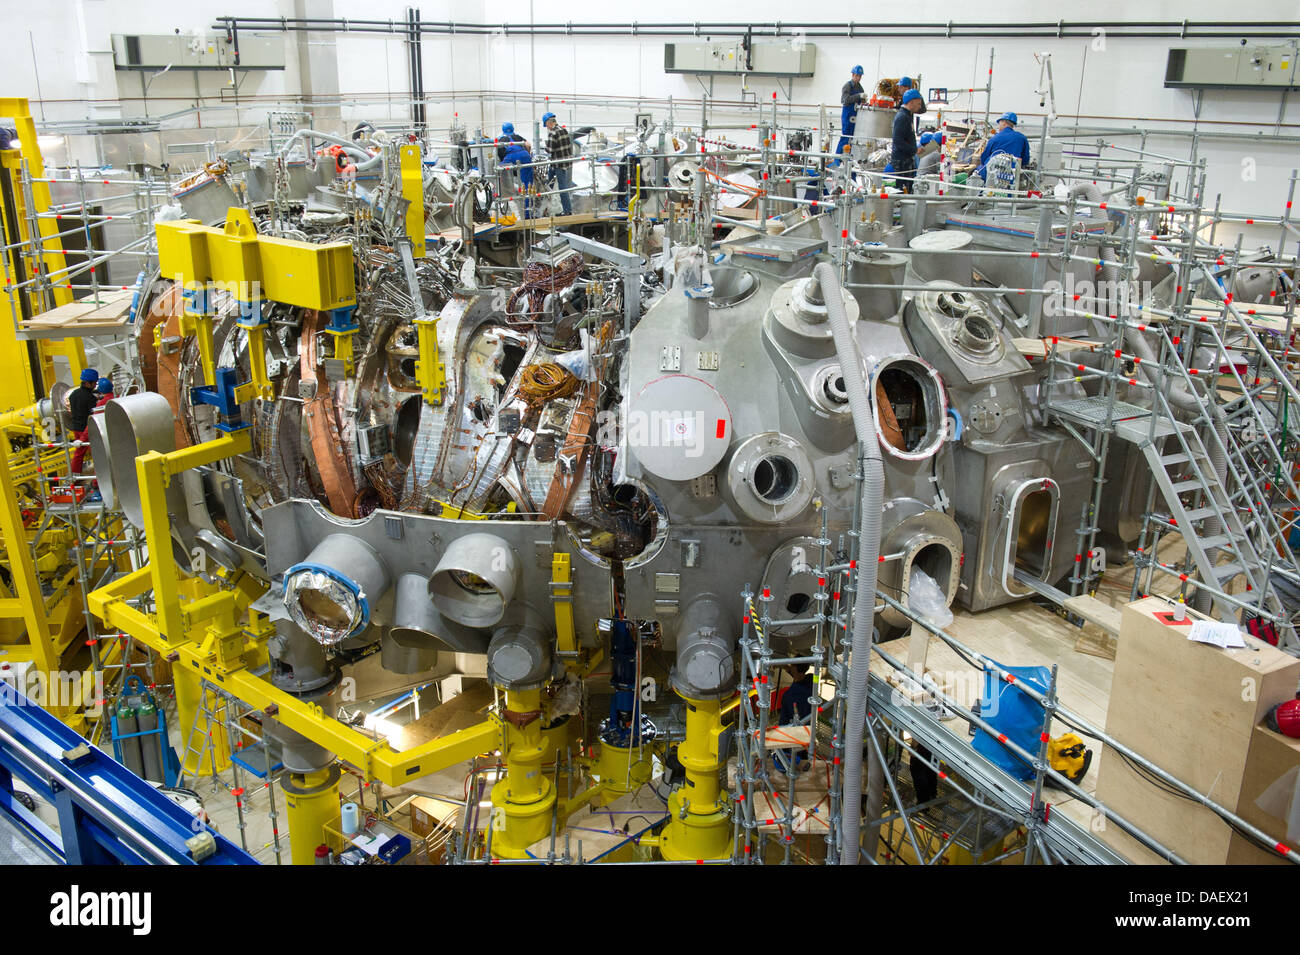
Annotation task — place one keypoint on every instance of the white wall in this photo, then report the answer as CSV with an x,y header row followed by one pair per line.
x,y
1108,81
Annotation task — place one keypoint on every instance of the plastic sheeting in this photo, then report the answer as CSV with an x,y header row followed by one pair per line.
x,y
1013,714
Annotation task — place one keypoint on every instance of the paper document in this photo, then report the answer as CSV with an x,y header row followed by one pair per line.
x,y
1224,635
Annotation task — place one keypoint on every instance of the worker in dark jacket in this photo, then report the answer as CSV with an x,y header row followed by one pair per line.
x,y
560,151
851,96
903,155
80,403
796,700
1007,140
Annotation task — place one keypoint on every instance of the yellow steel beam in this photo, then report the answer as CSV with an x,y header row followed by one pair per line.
x,y
27,589
566,637
377,759
430,372
413,192
256,267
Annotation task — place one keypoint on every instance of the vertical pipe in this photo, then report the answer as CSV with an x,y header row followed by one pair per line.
x,y
873,486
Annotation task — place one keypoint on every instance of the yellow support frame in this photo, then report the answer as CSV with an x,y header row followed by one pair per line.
x,y
210,652
566,635
412,171
430,372
20,389
257,267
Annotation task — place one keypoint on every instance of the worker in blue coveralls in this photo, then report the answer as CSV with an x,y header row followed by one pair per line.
x,y
518,154
851,96
1007,140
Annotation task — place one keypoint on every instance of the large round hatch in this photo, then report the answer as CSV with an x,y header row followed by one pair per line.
x,y
678,427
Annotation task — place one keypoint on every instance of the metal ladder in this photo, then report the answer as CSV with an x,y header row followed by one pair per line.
x,y
207,746
1239,501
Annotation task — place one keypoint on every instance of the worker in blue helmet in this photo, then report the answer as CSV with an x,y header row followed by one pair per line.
x,y
904,84
518,155
508,136
1007,140
81,401
852,95
903,152
928,164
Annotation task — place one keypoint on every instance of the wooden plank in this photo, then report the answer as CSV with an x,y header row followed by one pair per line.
x,y
1095,611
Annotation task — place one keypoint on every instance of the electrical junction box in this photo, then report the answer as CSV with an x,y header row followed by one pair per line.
x,y
775,58
1233,67
183,51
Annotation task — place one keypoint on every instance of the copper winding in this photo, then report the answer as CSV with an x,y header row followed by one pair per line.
x,y
546,382
166,313
326,439
541,280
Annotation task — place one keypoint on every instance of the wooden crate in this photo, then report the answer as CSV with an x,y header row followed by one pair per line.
x,y
1192,709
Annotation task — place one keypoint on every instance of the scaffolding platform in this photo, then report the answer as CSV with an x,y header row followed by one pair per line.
x,y
99,316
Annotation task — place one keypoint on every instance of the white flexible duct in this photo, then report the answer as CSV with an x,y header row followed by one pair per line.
x,y
864,600
364,159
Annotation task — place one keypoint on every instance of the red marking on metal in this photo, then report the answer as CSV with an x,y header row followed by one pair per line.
x,y
721,431
1002,738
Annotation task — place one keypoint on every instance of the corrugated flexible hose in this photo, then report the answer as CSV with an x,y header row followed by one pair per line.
x,y
864,599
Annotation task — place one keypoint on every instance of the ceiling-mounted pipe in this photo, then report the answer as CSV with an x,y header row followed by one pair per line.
x,y
1061,30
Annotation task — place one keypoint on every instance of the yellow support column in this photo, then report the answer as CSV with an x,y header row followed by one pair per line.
x,y
197,321
189,696
313,803
566,637
413,193
430,372
26,586
700,826
523,800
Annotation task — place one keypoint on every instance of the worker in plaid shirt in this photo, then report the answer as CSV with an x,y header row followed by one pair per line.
x,y
559,148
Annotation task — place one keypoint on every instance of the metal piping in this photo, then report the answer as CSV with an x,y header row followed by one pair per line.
x,y
864,600
1115,29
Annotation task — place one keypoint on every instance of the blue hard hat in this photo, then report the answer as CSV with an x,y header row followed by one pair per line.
x,y
906,81
104,386
926,138
856,71
911,95
547,117
508,129
89,374
1010,117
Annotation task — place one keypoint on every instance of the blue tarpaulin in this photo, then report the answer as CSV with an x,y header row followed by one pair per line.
x,y
1013,714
